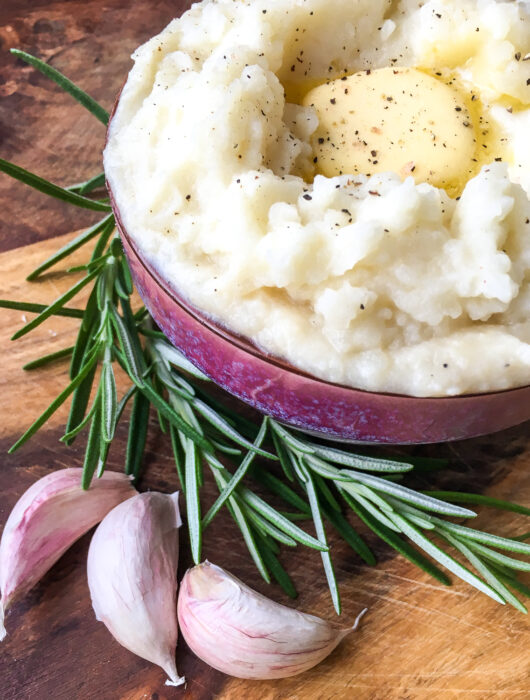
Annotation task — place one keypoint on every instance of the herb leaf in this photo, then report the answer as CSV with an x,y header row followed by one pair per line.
x,y
46,187
54,405
57,304
33,308
66,84
71,246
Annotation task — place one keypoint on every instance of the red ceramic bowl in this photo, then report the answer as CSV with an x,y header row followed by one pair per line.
x,y
303,401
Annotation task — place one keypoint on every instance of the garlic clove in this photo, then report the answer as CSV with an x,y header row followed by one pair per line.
x,y
244,634
49,517
132,576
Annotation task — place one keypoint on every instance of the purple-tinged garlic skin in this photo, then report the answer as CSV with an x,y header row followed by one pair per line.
x,y
48,518
244,634
132,576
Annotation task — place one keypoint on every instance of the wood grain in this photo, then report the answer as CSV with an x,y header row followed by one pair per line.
x,y
418,641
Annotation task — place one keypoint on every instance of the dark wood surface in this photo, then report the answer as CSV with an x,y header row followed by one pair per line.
x,y
40,127
419,640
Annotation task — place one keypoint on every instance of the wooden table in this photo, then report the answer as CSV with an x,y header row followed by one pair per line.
x,y
419,640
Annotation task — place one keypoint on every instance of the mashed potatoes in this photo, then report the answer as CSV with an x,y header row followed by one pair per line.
x,y
373,278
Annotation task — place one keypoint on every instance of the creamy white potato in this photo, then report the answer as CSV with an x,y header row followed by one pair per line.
x,y
408,275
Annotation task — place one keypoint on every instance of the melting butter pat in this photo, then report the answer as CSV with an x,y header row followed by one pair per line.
x,y
397,119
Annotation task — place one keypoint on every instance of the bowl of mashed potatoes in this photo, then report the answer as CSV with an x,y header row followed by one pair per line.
x,y
326,207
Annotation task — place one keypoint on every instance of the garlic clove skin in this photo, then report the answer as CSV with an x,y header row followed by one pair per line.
x,y
48,518
132,576
244,634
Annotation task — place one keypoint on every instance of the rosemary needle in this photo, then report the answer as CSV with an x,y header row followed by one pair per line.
x,y
65,83
49,188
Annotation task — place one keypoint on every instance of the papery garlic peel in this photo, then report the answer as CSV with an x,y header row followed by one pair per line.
x,y
244,634
132,576
49,517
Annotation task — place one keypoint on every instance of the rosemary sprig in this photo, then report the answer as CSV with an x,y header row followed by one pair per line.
x,y
312,481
